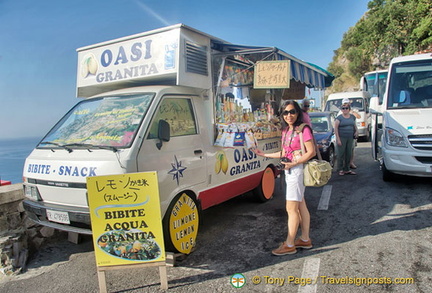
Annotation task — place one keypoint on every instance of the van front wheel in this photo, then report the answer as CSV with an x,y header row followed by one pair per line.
x,y
180,224
387,176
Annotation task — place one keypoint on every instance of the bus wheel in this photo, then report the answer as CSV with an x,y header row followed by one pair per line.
x,y
180,224
264,191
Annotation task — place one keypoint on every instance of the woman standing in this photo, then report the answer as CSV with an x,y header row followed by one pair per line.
x,y
346,132
298,213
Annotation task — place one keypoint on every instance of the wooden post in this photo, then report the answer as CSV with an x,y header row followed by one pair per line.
x,y
163,277
102,281
162,273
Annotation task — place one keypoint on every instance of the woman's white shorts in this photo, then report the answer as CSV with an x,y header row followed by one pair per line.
x,y
294,183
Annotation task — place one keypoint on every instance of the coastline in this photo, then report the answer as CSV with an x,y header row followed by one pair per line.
x,y
13,152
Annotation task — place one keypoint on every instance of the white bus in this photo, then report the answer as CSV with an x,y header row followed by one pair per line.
x,y
405,146
374,83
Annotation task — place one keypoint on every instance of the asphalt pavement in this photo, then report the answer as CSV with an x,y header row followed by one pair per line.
x,y
368,236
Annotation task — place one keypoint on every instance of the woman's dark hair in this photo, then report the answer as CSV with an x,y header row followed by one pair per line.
x,y
296,107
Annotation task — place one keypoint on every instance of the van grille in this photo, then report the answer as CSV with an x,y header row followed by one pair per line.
x,y
196,59
424,160
421,142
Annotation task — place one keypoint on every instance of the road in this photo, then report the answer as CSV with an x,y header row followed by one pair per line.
x,y
363,230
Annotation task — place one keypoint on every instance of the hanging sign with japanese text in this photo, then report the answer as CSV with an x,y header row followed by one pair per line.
x,y
272,74
126,219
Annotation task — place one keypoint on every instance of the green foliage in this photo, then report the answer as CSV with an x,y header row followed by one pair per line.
x,y
334,67
388,29
359,61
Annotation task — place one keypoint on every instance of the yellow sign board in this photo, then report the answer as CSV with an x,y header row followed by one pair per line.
x,y
272,74
126,219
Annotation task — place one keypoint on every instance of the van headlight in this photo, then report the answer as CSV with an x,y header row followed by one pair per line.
x,y
395,138
32,192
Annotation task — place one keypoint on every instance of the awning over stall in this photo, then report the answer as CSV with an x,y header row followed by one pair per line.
x,y
309,74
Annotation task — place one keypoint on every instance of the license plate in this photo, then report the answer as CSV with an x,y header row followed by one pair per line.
x,y
59,217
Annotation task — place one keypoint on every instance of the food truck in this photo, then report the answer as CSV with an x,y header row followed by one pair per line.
x,y
176,101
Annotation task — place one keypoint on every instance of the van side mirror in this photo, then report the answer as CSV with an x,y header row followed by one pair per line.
x,y
164,133
374,104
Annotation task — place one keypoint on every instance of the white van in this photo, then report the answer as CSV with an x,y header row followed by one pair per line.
x,y
360,103
405,146
167,100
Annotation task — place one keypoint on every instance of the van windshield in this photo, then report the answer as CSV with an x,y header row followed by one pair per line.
x,y
320,123
335,105
376,83
110,122
410,85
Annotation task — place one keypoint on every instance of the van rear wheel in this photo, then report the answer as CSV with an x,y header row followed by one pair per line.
x,y
180,224
264,191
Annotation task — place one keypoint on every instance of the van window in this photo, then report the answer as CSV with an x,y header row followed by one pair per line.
x,y
357,103
320,123
376,84
178,112
334,105
103,122
410,85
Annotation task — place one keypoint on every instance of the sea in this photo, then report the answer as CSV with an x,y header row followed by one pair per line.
x,y
13,153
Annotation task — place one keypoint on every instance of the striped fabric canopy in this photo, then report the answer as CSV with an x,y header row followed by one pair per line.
x,y
310,74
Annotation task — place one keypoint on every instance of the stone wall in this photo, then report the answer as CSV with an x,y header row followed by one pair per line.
x,y
19,236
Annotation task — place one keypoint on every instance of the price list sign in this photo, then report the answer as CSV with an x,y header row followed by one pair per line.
x,y
126,219
272,74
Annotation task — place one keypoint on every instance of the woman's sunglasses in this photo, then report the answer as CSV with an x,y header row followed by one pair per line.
x,y
292,112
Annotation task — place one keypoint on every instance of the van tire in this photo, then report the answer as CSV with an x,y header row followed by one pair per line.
x,y
387,176
187,199
264,191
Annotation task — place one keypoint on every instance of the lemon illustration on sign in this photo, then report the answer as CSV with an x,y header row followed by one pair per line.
x,y
89,65
121,250
221,162
136,246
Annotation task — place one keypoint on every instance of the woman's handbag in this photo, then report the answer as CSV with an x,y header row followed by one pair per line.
x,y
316,172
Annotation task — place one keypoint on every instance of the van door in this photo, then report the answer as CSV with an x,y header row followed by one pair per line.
x,y
181,161
376,133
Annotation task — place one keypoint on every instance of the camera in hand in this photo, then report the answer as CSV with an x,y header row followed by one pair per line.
x,y
281,166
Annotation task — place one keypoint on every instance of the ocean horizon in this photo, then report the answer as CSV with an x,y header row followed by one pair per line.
x,y
13,153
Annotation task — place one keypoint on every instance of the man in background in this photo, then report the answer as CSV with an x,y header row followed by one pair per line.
x,y
305,108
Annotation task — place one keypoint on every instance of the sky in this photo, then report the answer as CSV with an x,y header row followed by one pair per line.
x,y
38,42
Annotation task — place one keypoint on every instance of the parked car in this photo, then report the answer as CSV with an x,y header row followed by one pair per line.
x,y
322,125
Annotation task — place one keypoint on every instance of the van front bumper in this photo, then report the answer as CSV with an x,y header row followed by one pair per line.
x,y
79,217
406,162
363,131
